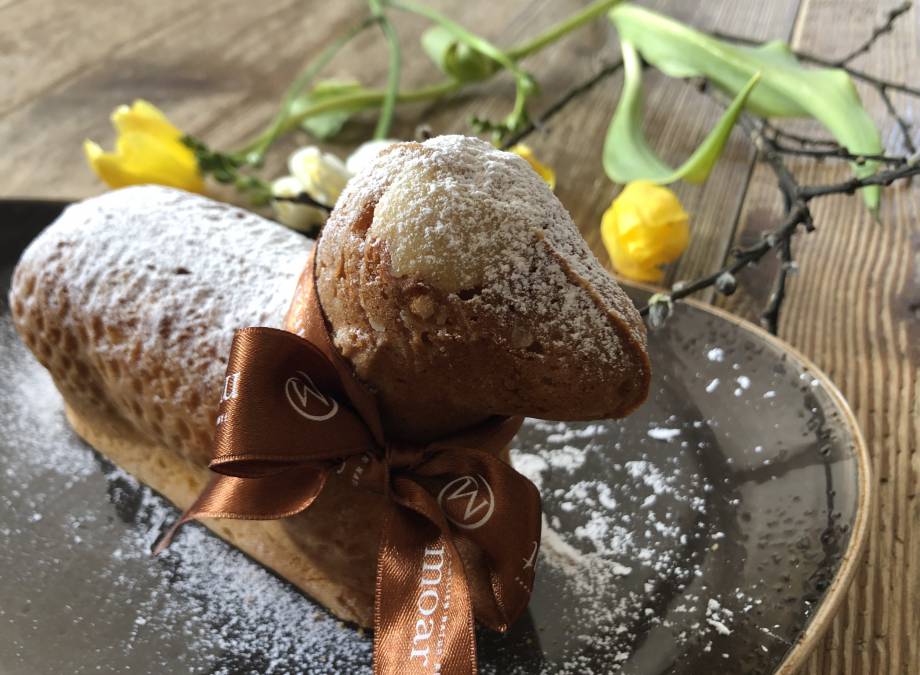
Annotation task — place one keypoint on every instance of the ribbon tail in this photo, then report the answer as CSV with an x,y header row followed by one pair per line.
x,y
496,509
277,495
166,538
423,615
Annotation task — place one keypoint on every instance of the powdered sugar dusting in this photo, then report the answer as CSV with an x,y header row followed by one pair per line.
x,y
227,612
618,535
29,401
167,266
125,284
235,605
463,216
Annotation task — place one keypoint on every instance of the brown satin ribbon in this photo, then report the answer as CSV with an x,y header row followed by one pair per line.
x,y
292,411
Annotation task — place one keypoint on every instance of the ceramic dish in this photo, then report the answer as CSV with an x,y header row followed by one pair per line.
x,y
715,530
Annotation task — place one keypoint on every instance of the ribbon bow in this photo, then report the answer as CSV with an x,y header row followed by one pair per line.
x,y
292,413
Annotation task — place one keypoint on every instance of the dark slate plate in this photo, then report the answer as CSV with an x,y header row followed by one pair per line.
x,y
715,530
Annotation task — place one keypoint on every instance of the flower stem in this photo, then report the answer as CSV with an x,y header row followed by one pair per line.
x,y
524,85
255,152
385,120
561,29
284,122
462,34
364,100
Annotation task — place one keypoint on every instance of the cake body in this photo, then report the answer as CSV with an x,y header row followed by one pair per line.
x,y
449,275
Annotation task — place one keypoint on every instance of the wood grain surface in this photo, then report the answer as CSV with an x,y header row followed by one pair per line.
x,y
218,68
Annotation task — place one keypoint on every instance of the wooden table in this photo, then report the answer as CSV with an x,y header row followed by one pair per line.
x,y
218,67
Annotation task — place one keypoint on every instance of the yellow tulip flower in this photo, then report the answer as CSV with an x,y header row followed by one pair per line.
x,y
645,227
149,149
545,172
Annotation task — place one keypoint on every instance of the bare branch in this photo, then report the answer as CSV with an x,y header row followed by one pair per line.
x,y
769,319
902,123
778,133
850,186
877,32
837,153
575,92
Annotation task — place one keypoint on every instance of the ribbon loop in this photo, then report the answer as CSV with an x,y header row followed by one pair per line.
x,y
282,404
462,528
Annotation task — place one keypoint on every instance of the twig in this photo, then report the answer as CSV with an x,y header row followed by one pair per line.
x,y
877,32
796,138
902,123
578,90
883,178
837,153
769,318
742,258
827,149
862,75
790,189
788,185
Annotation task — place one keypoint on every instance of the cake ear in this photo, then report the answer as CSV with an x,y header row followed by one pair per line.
x,y
459,288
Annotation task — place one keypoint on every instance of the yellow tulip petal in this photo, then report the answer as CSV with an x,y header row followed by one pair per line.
x,y
146,118
649,275
645,227
149,149
91,150
107,166
153,160
544,171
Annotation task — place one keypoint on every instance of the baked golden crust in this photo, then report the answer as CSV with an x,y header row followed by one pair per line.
x,y
525,321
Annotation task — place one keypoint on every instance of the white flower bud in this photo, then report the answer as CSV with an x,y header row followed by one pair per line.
x,y
301,217
322,175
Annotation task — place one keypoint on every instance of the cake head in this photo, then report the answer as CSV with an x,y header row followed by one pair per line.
x,y
459,288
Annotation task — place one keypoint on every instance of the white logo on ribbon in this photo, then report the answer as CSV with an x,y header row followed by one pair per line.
x,y
480,500
529,560
231,387
300,389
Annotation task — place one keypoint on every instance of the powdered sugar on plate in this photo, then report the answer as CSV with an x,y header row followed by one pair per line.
x,y
230,615
230,607
651,553
29,401
620,534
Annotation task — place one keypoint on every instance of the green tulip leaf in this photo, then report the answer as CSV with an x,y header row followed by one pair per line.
x,y
325,125
786,88
628,156
455,57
